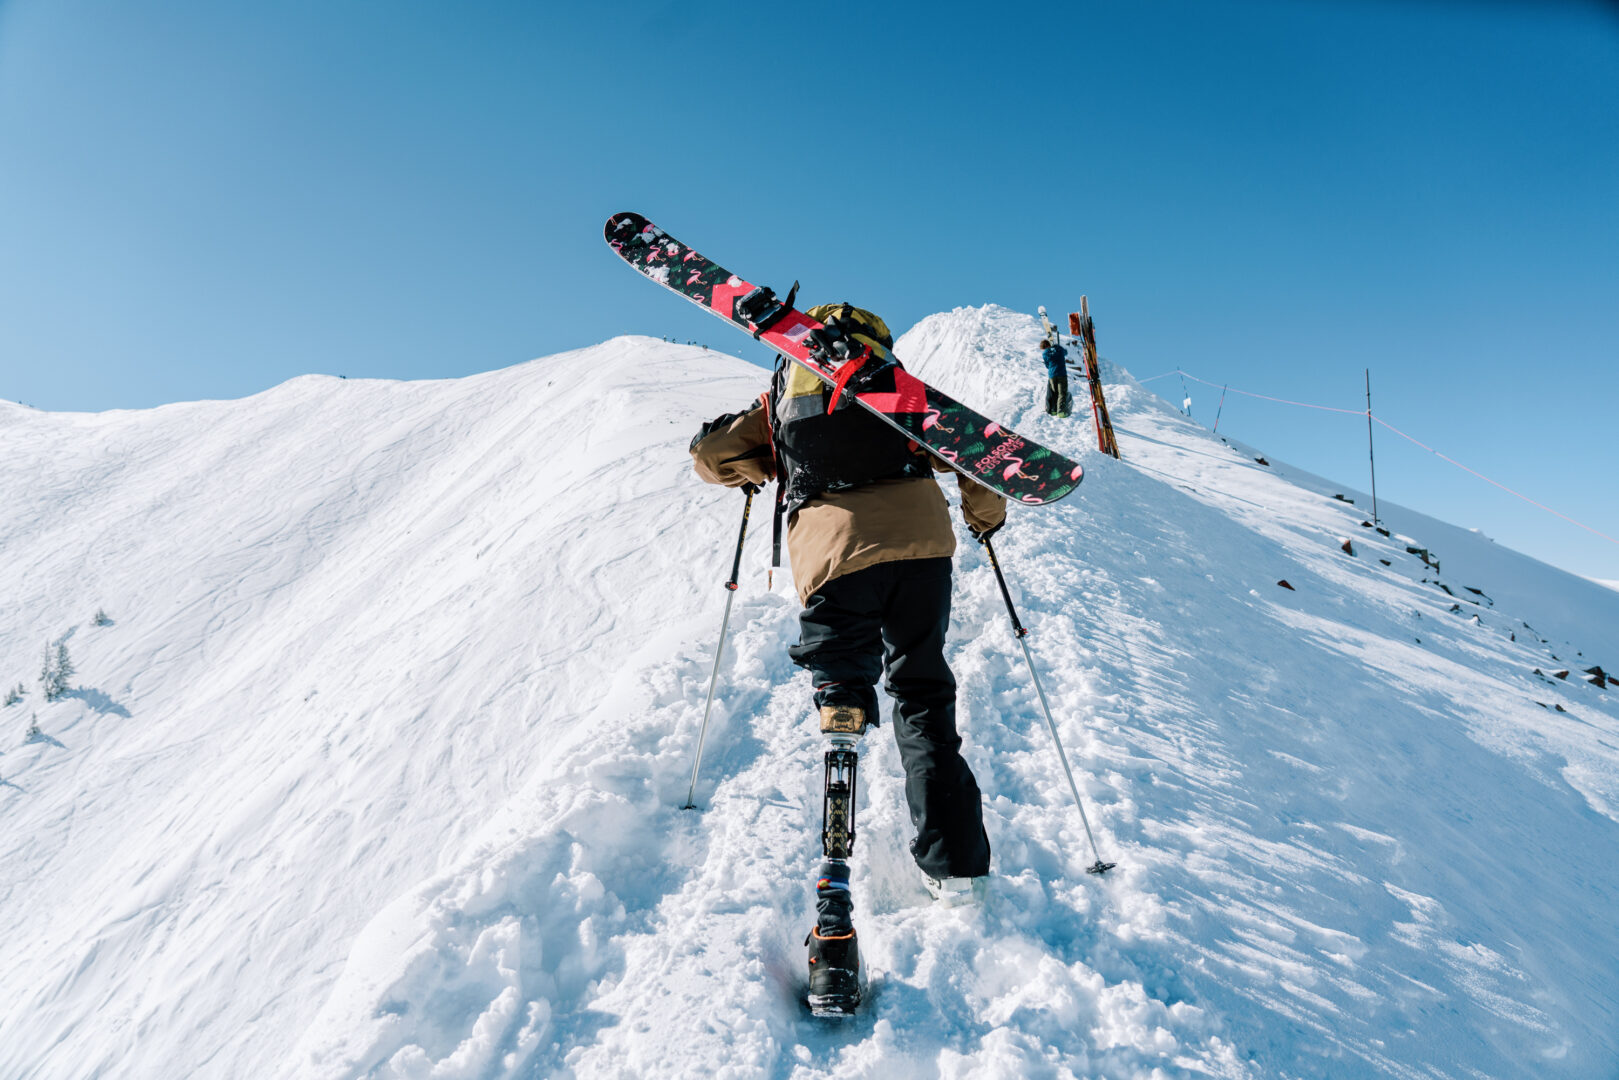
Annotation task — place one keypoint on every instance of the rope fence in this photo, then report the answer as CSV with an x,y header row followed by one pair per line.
x,y
1246,393
1411,439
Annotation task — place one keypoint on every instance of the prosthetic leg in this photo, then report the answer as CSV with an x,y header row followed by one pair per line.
x,y
834,953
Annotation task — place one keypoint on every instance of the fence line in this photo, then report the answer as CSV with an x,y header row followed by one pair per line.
x,y
1371,416
1497,483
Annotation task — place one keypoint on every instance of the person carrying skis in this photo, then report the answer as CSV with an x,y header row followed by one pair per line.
x,y
1056,357
871,544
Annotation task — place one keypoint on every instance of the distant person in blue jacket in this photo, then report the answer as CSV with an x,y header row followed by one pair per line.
x,y
1056,357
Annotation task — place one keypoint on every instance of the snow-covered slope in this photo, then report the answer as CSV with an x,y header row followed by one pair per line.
x,y
375,771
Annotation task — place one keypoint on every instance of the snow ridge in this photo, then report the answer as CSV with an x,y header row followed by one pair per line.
x,y
377,771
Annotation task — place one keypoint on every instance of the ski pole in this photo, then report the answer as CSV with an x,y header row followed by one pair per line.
x,y
1098,867
719,648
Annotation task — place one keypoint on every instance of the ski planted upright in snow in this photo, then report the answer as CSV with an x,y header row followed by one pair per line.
x,y
988,452
1085,330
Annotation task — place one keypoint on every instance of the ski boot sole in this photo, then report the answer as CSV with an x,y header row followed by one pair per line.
x,y
833,1006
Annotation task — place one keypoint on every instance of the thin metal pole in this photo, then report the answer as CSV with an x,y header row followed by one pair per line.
x,y
1370,449
1221,408
1098,867
719,648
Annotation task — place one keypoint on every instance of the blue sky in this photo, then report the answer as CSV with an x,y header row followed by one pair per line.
x,y
203,199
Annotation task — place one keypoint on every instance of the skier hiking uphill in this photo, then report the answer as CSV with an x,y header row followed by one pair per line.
x,y
1056,357
870,540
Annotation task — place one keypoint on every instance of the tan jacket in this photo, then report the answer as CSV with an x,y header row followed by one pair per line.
x,y
839,532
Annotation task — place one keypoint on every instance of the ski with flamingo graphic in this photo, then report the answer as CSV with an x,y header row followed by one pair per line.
x,y
974,445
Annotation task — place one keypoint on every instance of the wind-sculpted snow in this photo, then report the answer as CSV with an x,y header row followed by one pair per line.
x,y
376,771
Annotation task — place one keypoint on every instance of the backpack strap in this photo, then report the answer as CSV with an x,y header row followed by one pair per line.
x,y
775,535
769,399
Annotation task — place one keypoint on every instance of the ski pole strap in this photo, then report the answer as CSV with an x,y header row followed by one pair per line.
x,y
1000,579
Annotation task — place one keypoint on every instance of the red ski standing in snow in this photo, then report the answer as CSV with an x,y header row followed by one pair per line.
x,y
871,545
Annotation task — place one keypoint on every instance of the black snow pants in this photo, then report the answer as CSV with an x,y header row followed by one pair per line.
x,y
890,619
1058,403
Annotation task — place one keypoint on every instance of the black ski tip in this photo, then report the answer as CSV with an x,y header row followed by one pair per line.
x,y
1100,867
623,226
1070,474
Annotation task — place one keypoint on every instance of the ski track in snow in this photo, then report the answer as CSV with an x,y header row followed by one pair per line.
x,y
377,771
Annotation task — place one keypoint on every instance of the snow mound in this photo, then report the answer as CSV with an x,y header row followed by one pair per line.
x,y
376,769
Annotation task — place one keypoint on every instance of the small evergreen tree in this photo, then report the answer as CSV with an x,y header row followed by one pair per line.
x,y
56,671
102,618
47,674
14,695
33,728
64,668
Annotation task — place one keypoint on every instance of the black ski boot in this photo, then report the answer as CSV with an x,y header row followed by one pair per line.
x,y
834,973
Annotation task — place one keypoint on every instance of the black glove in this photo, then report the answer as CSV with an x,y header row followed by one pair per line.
x,y
983,535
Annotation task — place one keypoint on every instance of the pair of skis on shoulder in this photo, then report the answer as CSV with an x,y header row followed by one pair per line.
x,y
985,450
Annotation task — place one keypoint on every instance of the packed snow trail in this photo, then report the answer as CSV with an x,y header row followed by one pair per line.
x,y
1342,850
